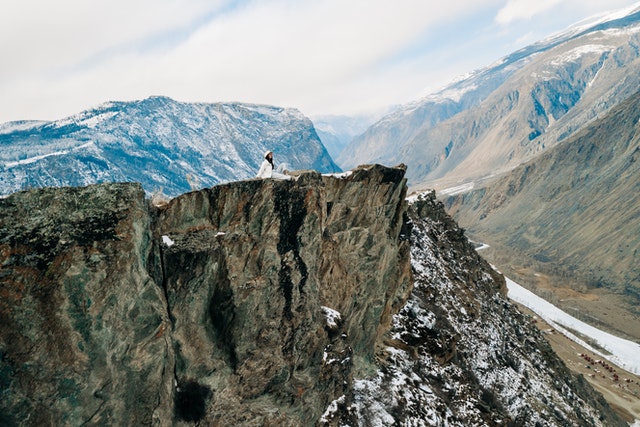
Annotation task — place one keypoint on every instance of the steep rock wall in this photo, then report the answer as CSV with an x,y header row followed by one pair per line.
x,y
251,268
325,301
81,319
218,308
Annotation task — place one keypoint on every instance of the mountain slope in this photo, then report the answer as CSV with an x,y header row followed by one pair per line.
x,y
336,132
461,354
574,209
325,300
164,144
502,115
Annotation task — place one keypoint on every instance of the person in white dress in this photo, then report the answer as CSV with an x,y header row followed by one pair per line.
x,y
266,168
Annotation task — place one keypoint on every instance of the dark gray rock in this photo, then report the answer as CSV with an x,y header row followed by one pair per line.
x,y
103,323
81,321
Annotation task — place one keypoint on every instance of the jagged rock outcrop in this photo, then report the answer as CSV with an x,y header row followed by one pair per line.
x,y
264,303
81,320
253,265
461,354
213,308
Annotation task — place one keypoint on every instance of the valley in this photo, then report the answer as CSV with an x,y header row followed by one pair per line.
x,y
608,363
623,395
564,224
595,306
611,312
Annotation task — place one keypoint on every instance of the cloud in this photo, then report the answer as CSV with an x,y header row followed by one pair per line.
x,y
326,56
312,55
61,34
293,53
573,10
516,10
47,45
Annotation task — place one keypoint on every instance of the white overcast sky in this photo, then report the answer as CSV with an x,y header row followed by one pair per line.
x,y
320,56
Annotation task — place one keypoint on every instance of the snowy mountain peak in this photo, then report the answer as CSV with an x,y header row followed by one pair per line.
x,y
166,145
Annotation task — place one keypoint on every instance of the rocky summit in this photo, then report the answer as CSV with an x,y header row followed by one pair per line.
x,y
324,300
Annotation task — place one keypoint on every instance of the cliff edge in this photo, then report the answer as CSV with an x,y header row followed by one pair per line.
x,y
325,300
225,306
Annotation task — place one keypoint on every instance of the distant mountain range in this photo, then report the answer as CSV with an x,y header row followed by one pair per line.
x,y
536,155
337,131
498,117
166,145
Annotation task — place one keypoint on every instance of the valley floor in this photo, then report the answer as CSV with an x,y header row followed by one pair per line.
x,y
599,307
623,397
620,387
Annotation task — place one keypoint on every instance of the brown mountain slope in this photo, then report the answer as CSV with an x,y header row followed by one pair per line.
x,y
510,111
573,212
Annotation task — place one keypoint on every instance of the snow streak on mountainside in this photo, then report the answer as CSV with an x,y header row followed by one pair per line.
x,y
497,117
166,145
623,353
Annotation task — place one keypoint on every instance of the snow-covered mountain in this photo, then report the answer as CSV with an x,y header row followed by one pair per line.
x,y
499,116
166,145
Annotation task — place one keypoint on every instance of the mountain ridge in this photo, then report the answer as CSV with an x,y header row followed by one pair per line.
x,y
324,300
164,144
510,111
571,210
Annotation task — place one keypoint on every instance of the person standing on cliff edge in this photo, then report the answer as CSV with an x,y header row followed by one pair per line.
x,y
266,169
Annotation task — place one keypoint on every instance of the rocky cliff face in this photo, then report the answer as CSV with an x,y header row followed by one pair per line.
x,y
227,322
81,319
263,302
254,272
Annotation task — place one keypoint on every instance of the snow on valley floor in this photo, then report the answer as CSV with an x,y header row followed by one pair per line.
x,y
623,353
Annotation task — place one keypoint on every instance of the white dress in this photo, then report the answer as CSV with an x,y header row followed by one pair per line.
x,y
266,171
